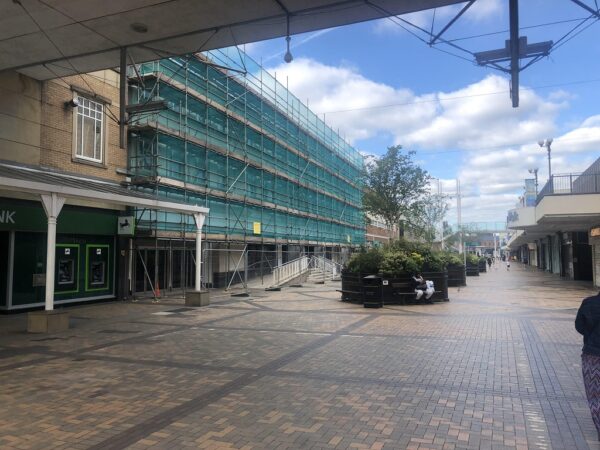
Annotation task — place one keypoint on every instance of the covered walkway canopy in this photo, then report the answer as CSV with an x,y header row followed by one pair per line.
x,y
53,188
46,39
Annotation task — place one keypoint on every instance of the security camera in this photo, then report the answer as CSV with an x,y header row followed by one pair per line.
x,y
73,103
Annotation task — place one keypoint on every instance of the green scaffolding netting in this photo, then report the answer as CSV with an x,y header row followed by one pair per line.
x,y
248,150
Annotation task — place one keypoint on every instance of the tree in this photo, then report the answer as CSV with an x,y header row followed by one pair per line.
x,y
427,223
395,188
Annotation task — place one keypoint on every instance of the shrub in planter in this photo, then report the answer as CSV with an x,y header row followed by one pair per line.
x,y
472,260
399,263
452,259
366,261
482,264
434,262
472,265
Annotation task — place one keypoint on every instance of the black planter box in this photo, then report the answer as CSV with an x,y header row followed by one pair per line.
x,y
472,270
457,276
482,266
394,291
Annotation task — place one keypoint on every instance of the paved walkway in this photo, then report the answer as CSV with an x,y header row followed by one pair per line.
x,y
497,367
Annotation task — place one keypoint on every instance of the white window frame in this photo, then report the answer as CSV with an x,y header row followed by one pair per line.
x,y
85,108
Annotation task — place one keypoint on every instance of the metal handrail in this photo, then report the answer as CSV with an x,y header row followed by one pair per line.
x,y
326,265
290,270
569,184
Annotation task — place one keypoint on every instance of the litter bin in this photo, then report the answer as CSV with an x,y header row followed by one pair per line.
x,y
372,291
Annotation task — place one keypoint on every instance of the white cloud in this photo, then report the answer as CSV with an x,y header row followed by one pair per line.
x,y
498,142
331,88
471,119
481,11
585,138
477,116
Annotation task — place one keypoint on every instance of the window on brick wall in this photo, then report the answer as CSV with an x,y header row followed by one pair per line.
x,y
89,130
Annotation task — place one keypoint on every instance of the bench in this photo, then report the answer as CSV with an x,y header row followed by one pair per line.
x,y
348,292
414,294
349,295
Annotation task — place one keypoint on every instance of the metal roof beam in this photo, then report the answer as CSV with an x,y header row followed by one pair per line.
x,y
587,8
449,24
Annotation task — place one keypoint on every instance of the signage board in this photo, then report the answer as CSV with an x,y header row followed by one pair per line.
x,y
530,185
256,227
595,232
24,215
126,226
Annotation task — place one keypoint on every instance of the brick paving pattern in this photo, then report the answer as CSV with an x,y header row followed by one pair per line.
x,y
498,367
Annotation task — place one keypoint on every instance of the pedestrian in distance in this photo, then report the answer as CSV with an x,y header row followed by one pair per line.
x,y
489,261
507,264
587,323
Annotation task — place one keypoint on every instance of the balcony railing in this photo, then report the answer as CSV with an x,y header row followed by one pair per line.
x,y
570,184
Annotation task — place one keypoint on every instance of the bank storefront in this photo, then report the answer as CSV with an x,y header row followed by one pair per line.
x,y
85,254
53,250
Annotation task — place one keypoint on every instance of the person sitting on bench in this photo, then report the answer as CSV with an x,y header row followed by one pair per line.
x,y
422,287
429,291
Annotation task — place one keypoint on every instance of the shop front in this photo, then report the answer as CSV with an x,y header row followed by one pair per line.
x,y
54,250
84,254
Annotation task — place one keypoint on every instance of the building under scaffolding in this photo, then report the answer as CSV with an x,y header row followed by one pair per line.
x,y
216,130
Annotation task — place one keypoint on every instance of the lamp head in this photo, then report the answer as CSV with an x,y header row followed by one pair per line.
x,y
288,55
549,141
541,143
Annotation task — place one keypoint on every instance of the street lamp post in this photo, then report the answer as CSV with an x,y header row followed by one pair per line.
x,y
546,143
535,172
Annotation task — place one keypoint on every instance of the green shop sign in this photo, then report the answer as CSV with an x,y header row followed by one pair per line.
x,y
22,215
7,216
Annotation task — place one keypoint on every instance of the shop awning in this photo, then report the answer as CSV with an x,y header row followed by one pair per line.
x,y
41,181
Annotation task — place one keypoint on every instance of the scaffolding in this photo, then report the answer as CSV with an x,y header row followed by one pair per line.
x,y
245,147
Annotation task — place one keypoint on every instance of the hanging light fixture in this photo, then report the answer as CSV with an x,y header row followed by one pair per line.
x,y
288,55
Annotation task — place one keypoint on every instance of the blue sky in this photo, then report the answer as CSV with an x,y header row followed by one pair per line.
x,y
382,86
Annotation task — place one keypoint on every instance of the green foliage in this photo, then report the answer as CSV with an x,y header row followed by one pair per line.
x,y
452,259
366,261
400,257
402,245
434,262
395,187
472,260
396,263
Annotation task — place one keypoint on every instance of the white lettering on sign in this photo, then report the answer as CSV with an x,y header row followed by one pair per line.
x,y
7,216
98,251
